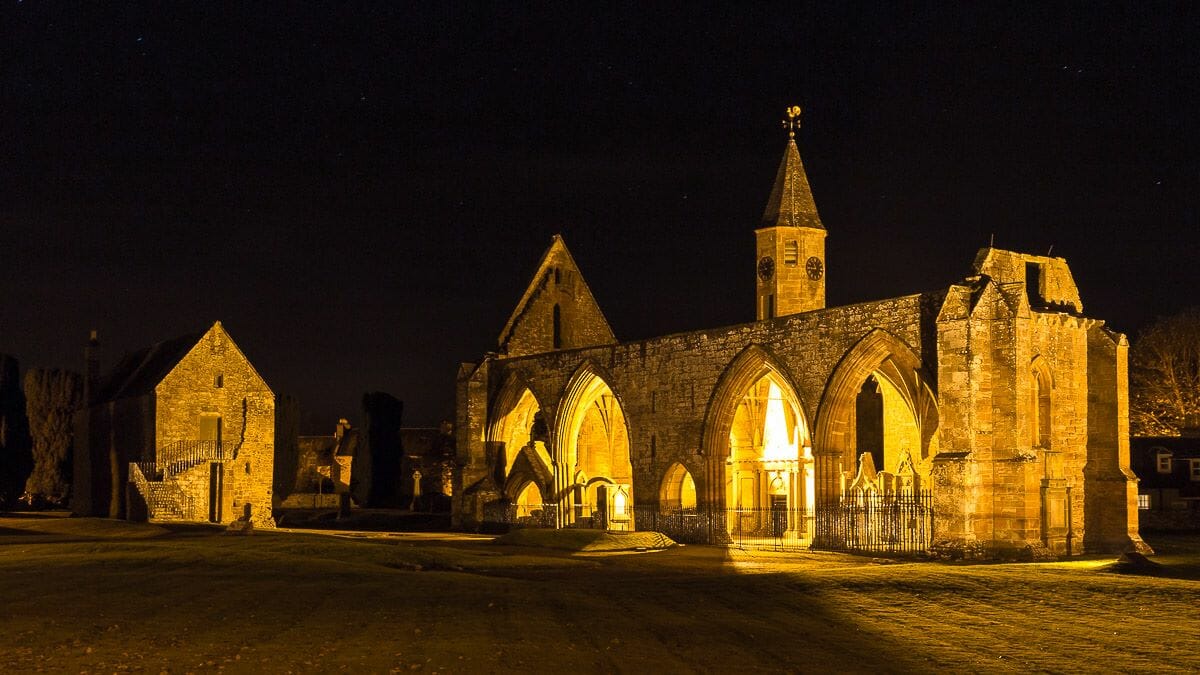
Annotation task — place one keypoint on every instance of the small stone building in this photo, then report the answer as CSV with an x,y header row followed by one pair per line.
x,y
182,430
324,468
991,413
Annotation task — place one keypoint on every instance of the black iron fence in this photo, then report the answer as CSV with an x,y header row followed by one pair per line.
x,y
869,523
504,516
873,522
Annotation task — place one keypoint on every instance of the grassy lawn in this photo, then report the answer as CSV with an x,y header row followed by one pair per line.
x,y
92,595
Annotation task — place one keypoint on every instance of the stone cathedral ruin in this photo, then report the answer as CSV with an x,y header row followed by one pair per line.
x,y
988,417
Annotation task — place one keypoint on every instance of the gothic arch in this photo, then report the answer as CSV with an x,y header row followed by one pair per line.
x,y
590,436
1041,402
888,358
1041,365
678,490
515,445
506,400
747,368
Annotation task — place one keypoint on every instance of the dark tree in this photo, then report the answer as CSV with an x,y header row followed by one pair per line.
x,y
51,398
16,460
1164,376
378,478
287,445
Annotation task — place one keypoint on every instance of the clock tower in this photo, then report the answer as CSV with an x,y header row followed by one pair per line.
x,y
790,262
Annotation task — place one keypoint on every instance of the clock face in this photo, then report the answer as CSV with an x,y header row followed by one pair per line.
x,y
814,268
766,268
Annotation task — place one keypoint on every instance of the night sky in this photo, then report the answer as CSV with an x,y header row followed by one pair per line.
x,y
361,195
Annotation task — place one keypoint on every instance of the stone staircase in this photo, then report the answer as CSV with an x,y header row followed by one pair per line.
x,y
158,482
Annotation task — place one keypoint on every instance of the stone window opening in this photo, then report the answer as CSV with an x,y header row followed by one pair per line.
x,y
210,427
1143,502
791,254
1163,461
1195,470
869,421
557,276
1033,284
1040,410
557,327
219,381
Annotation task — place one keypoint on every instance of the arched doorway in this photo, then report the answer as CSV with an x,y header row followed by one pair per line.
x,y
594,474
678,493
874,446
759,478
517,443
529,504
876,427
769,477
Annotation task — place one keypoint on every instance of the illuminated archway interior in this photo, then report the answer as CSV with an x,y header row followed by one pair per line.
x,y
597,448
516,429
678,490
529,500
886,429
770,464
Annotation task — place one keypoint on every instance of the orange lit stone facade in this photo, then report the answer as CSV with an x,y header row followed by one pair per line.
x,y
999,397
182,430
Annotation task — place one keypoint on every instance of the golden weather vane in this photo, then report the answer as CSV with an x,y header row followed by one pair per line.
x,y
792,123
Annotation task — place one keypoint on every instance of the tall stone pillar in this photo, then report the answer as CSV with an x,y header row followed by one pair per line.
x,y
1110,487
471,464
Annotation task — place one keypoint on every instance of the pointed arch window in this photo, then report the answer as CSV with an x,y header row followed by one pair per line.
x,y
1039,409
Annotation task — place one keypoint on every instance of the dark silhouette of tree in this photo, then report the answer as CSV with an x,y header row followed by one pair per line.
x,y
287,445
51,398
16,461
378,477
1164,376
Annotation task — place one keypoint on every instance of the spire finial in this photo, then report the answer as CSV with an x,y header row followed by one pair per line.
x,y
792,123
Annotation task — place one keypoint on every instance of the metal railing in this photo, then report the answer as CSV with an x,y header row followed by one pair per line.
x,y
163,498
869,523
175,458
879,523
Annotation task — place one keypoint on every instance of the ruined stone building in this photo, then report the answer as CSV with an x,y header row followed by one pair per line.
x,y
991,412
182,430
324,468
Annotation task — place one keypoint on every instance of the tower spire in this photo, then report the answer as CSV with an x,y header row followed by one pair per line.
x,y
791,203
790,241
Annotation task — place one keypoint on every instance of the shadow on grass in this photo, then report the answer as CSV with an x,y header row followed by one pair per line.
x,y
1177,556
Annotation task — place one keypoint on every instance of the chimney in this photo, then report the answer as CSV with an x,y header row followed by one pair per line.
x,y
342,425
91,375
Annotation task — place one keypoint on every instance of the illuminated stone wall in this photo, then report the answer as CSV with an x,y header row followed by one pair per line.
x,y
246,407
962,361
557,283
664,385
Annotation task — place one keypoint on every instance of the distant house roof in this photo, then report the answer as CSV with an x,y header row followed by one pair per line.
x,y
1143,459
139,372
